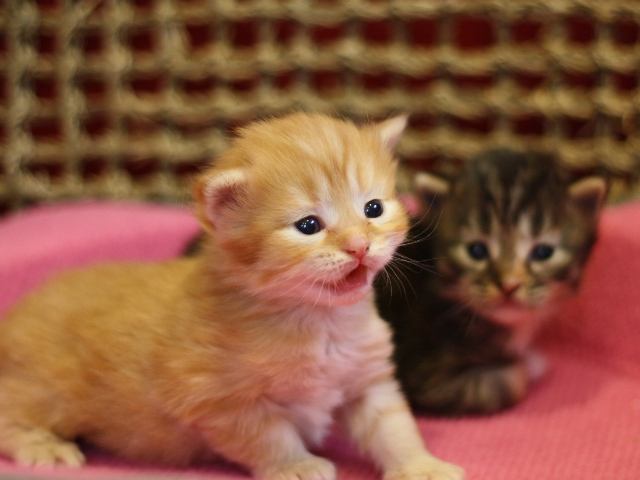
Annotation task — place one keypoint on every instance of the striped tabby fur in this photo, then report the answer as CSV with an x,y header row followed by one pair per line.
x,y
499,248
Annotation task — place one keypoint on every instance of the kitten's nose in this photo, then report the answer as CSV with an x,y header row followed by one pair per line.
x,y
509,288
357,247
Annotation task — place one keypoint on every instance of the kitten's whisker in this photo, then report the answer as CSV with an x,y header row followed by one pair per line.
x,y
382,278
426,212
391,280
420,264
421,236
311,275
286,281
432,227
427,232
396,271
474,317
455,309
324,279
384,275
464,305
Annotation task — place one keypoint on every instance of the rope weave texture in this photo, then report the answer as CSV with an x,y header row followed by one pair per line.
x,y
127,98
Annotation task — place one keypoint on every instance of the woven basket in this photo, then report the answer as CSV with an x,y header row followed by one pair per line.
x,y
127,99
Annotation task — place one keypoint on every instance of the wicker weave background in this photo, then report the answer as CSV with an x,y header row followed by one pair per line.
x,y
126,99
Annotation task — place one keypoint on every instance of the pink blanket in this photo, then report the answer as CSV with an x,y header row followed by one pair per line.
x,y
582,421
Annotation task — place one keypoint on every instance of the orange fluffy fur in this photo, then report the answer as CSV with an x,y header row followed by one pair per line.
x,y
249,351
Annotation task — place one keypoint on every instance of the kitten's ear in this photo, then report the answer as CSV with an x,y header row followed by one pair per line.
x,y
431,190
218,193
588,194
391,130
430,185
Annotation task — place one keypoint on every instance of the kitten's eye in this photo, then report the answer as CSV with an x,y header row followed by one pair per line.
x,y
309,225
541,252
478,251
373,209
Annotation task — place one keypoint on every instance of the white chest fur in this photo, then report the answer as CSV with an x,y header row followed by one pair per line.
x,y
342,352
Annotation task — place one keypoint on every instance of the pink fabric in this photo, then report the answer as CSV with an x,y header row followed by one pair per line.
x,y
582,421
37,242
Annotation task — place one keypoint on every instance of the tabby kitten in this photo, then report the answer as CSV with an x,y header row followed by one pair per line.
x,y
499,248
249,350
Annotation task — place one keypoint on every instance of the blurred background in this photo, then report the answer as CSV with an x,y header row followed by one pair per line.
x,y
127,99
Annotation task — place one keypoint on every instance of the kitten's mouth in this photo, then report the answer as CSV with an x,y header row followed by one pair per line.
x,y
355,279
509,303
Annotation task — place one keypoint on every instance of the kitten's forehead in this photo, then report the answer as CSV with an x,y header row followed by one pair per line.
x,y
322,160
512,188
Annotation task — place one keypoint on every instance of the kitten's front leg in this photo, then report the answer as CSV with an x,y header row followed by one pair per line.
x,y
383,425
267,443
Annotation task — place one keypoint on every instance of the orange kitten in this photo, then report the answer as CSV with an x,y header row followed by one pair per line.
x,y
250,350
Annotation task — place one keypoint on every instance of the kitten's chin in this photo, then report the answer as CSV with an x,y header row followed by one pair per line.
x,y
510,314
523,322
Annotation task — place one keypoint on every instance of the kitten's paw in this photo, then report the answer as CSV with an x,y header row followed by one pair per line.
x,y
427,467
49,451
311,468
498,388
483,389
